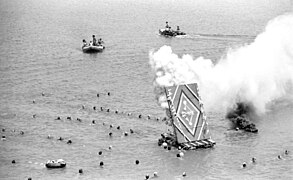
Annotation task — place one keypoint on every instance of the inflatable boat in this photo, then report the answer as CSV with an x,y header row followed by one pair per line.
x,y
93,49
60,163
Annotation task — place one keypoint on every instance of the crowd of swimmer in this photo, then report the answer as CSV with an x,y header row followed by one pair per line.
x,y
167,147
94,42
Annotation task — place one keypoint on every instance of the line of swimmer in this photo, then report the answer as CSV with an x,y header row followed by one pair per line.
x,y
108,110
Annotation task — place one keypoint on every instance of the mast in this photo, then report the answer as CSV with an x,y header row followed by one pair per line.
x,y
170,104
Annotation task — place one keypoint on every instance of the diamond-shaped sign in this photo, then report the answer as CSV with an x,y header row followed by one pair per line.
x,y
188,113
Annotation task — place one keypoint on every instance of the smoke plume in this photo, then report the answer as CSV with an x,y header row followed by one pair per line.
x,y
253,74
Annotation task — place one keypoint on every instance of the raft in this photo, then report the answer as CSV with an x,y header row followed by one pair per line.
x,y
191,145
93,49
56,164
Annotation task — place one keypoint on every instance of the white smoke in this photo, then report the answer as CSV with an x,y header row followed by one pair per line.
x,y
256,73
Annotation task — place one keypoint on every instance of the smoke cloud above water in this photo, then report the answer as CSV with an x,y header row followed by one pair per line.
x,y
256,74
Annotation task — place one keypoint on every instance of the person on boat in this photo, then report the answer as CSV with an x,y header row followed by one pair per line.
x,y
100,41
91,43
178,29
167,26
94,40
84,43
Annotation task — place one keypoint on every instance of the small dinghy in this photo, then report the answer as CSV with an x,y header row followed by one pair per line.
x,y
93,49
60,163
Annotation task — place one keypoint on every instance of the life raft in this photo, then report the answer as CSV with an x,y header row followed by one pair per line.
x,y
92,49
60,163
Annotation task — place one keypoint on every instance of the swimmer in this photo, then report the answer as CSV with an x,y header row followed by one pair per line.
x,y
110,133
244,164
155,174
149,117
100,152
21,132
147,176
60,138
139,116
69,118
131,131
80,171
98,95
184,174
279,157
286,152
94,108
118,127
69,141
101,163
125,134
137,162
101,108
58,118
108,93
94,122
116,111
108,110
253,160
3,138
34,116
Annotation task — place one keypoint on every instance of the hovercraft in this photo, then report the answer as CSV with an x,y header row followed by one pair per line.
x,y
60,163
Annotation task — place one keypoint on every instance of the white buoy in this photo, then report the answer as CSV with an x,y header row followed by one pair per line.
x,y
181,154
184,174
164,144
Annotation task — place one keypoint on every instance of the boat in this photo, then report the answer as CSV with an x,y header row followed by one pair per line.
x,y
60,163
187,117
240,118
92,48
170,33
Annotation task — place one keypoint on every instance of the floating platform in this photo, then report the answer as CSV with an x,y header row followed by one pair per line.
x,y
192,145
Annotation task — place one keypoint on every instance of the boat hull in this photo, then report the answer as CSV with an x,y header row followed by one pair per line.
x,y
93,49
55,165
170,33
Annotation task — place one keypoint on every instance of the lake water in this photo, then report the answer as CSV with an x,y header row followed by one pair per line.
x,y
40,52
